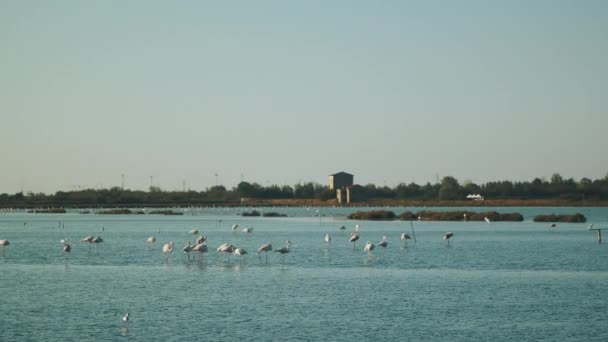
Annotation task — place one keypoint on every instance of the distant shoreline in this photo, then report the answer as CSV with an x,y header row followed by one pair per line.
x,y
333,203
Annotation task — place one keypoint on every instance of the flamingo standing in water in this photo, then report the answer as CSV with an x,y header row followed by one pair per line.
x,y
3,244
187,249
239,252
201,239
384,242
447,236
226,248
67,248
284,250
327,239
235,226
267,247
369,247
200,249
342,228
353,238
167,249
247,230
125,318
405,236
150,241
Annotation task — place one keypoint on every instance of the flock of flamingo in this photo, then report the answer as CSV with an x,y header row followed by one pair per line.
x,y
200,244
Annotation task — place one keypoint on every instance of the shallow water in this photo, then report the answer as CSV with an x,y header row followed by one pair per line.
x,y
499,281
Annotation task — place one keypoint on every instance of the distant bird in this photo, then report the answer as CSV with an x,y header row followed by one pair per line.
x,y
447,236
97,239
167,249
465,216
239,252
486,219
67,248
553,226
201,239
88,239
150,241
235,226
342,228
405,236
200,248
125,318
226,249
369,246
284,250
384,242
193,232
3,244
265,248
590,227
247,230
187,249
357,228
327,239
353,238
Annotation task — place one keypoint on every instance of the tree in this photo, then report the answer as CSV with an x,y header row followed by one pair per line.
x,y
449,188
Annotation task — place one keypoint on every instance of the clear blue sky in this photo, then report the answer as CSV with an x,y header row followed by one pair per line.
x,y
284,91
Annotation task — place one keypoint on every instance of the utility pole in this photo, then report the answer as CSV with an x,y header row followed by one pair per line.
x,y
123,181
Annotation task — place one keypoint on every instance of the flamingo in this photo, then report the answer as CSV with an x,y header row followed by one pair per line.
x,y
284,250
226,248
167,249
327,239
447,236
125,318
150,241
3,244
384,242
235,226
88,239
486,219
353,238
200,248
239,252
194,233
201,239
369,247
187,249
67,248
267,247
405,236
553,226
342,228
247,230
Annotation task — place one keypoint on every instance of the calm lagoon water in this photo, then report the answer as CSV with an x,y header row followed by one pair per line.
x,y
494,282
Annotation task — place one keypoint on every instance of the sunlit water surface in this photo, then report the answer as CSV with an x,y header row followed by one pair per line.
x,y
493,282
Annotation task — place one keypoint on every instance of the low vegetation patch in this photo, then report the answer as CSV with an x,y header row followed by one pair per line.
x,y
576,218
48,211
115,212
375,215
273,214
165,212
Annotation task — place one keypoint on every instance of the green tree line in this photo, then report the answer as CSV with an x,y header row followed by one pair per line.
x,y
449,188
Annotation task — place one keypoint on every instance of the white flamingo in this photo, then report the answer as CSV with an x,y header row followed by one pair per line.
x,y
239,252
384,242
327,239
267,247
150,241
405,236
369,247
125,318
247,230
235,226
226,249
353,238
167,249
67,248
3,244
447,236
200,249
486,219
187,249
284,250
201,239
